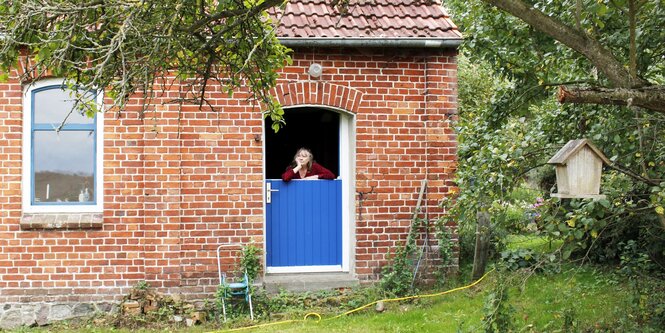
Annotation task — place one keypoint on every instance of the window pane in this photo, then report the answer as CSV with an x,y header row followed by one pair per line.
x,y
53,105
64,166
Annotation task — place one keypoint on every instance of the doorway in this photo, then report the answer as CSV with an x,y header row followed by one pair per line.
x,y
307,220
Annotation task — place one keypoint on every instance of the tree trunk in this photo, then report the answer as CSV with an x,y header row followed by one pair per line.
x,y
652,98
482,244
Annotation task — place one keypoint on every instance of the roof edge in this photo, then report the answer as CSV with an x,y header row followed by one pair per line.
x,y
409,42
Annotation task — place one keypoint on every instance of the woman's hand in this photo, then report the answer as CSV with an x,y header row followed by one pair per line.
x,y
312,177
298,166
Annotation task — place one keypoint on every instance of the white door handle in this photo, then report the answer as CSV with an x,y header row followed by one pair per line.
x,y
269,191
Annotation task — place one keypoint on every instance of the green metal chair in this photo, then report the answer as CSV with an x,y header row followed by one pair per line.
x,y
234,290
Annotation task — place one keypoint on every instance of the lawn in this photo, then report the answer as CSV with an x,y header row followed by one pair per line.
x,y
541,302
537,243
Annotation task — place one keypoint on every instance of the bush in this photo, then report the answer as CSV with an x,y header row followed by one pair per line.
x,y
497,311
520,258
250,261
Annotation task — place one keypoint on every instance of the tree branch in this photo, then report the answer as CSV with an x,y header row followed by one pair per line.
x,y
601,57
230,13
129,47
652,98
649,181
632,27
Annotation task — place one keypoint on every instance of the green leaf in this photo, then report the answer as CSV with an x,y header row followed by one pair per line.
x,y
566,254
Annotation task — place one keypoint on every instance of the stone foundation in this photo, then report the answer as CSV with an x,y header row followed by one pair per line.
x,y
13,315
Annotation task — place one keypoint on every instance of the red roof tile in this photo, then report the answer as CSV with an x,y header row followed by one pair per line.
x,y
366,19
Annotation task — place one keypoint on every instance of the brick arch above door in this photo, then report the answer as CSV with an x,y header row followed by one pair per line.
x,y
318,93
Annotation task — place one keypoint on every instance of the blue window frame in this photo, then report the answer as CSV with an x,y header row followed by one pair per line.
x,y
62,168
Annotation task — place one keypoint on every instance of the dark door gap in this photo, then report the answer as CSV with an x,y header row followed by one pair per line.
x,y
313,128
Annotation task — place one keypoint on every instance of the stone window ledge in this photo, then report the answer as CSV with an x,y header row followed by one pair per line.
x,y
61,221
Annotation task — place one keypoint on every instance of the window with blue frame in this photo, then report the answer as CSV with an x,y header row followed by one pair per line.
x,y
63,147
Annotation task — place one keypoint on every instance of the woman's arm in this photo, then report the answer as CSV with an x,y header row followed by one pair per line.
x,y
289,174
321,172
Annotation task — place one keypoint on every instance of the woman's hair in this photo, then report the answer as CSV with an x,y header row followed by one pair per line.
x,y
311,158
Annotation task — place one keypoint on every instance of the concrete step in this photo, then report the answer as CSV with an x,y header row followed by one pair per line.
x,y
301,282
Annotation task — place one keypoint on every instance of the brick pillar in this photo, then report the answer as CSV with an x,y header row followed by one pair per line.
x,y
441,139
162,199
11,276
441,114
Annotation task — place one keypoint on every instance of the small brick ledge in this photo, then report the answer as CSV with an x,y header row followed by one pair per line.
x,y
61,221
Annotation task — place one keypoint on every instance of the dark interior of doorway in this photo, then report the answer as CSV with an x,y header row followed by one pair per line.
x,y
312,128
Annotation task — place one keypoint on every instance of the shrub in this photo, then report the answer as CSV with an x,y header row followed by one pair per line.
x,y
250,261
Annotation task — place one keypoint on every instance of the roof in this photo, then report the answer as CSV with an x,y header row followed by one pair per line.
x,y
367,22
572,147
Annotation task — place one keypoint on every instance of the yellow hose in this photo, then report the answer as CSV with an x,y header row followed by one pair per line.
x,y
319,317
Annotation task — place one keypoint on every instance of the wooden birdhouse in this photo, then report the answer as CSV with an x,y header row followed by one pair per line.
x,y
579,165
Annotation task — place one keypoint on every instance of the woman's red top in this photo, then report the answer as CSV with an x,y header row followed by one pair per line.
x,y
316,170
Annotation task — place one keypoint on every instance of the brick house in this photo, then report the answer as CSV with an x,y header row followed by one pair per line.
x,y
152,199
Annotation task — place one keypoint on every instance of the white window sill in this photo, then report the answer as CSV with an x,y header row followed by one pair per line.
x,y
61,221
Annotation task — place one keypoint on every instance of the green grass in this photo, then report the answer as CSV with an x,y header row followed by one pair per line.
x,y
536,243
590,296
441,315
539,302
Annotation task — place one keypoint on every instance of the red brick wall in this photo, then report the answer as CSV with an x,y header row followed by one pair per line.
x,y
182,181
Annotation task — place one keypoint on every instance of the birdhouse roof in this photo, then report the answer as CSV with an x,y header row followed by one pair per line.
x,y
572,147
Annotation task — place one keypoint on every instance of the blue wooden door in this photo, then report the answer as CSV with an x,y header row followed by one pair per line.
x,y
304,223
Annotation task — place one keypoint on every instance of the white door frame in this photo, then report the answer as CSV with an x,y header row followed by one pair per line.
x,y
347,162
